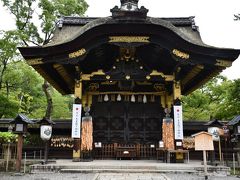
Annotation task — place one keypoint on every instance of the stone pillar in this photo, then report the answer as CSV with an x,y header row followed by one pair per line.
x,y
78,100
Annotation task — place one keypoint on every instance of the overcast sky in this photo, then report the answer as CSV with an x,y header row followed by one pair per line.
x,y
214,18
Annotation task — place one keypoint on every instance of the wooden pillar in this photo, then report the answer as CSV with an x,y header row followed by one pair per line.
x,y
169,101
78,100
163,100
19,152
89,100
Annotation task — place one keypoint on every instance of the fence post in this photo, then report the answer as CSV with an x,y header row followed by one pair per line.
x,y
234,167
8,154
40,154
25,157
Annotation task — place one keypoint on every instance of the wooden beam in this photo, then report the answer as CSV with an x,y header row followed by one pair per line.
x,y
194,72
48,78
64,74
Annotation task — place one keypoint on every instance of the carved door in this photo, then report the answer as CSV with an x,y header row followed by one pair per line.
x,y
127,122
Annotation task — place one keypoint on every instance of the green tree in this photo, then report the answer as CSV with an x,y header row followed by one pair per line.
x,y
218,99
39,32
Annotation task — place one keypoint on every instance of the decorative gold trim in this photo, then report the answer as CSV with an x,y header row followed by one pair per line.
x,y
109,83
144,83
78,89
77,53
177,90
127,93
35,61
129,39
87,77
159,87
167,77
180,54
223,63
93,87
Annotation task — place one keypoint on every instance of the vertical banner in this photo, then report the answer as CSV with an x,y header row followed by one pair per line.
x,y
178,122
76,120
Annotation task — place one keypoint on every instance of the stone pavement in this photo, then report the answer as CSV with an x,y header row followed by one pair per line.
x,y
131,176
113,176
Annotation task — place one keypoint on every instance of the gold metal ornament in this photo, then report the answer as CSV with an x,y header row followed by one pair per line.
x,y
78,53
129,39
181,54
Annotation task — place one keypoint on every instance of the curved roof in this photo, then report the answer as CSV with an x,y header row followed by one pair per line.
x,y
162,44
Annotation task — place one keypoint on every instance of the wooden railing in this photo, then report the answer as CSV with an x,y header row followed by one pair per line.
x,y
110,151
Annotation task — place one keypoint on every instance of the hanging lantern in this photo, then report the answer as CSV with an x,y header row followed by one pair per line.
x,y
119,97
106,98
133,98
144,99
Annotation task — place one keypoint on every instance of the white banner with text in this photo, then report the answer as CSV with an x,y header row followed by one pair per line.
x,y
76,120
178,122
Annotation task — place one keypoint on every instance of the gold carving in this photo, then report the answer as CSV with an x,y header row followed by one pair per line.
x,y
35,61
180,54
159,87
78,53
176,90
144,83
129,39
167,77
109,83
93,87
223,63
87,77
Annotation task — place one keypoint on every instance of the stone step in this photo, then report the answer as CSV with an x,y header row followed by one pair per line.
x,y
125,171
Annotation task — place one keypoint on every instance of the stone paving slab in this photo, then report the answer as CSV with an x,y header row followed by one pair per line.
x,y
113,176
131,176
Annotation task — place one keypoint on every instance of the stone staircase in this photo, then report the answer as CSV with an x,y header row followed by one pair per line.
x,y
113,166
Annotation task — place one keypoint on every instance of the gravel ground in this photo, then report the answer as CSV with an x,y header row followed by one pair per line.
x,y
111,176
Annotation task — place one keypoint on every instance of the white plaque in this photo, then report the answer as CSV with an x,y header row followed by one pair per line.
x,y
76,120
178,122
19,127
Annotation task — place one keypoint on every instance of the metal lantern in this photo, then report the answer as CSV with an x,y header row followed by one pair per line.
x,y
20,124
46,134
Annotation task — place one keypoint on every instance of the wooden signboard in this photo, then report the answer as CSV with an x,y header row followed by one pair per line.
x,y
203,141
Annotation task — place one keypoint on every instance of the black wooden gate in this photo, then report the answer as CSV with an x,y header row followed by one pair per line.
x,y
127,122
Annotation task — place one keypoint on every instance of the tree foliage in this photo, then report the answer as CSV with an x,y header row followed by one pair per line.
x,y
218,99
20,86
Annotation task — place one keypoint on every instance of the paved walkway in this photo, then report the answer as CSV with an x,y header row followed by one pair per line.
x,y
131,176
113,176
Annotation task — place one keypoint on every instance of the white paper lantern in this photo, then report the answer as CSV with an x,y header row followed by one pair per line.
x,y
46,132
